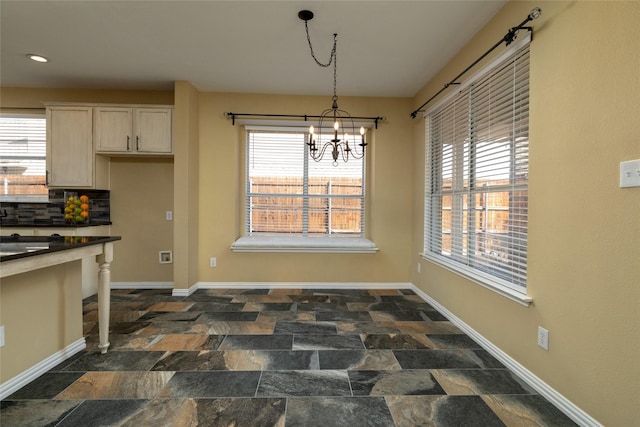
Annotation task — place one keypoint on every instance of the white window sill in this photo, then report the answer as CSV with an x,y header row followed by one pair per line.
x,y
357,245
493,284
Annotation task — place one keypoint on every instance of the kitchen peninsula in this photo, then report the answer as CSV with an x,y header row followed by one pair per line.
x,y
41,302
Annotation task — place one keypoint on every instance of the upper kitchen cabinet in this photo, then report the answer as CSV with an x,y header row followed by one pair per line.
x,y
70,155
134,131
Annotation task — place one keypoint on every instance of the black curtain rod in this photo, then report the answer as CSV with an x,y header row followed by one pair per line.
x,y
233,116
508,39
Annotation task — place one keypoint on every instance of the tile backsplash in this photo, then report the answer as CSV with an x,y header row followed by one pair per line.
x,y
52,213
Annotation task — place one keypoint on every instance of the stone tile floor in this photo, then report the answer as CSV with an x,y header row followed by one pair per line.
x,y
278,357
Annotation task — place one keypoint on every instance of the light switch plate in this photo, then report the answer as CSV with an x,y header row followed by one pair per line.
x,y
630,174
1,336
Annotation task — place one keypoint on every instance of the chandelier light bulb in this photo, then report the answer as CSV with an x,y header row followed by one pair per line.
x,y
311,130
336,125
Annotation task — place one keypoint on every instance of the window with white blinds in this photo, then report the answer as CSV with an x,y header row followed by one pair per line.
x,y
477,165
23,158
288,193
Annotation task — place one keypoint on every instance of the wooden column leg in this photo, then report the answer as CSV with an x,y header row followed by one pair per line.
x,y
104,294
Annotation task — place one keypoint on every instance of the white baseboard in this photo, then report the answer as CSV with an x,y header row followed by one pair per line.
x,y
141,285
559,401
21,380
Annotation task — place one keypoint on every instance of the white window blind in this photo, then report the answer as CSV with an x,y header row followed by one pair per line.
x,y
288,193
22,157
477,165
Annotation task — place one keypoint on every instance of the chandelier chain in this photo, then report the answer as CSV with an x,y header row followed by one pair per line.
x,y
333,58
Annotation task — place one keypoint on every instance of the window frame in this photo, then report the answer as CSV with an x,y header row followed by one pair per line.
x,y
297,242
433,210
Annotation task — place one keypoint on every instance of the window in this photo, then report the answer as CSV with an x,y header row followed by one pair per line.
x,y
288,193
477,165
23,158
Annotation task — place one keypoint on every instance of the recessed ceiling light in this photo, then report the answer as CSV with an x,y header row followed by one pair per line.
x,y
37,58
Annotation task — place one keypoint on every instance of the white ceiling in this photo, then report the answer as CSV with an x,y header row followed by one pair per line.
x,y
385,48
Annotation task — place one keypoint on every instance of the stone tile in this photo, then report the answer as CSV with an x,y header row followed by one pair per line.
x,y
372,306
272,307
197,361
434,359
327,342
402,298
355,316
115,316
121,342
321,306
290,292
480,381
164,412
527,409
178,316
117,385
168,306
237,316
46,386
102,412
34,413
392,316
358,359
391,292
395,341
485,360
216,306
274,360
435,315
171,327
335,411
303,383
185,342
201,296
414,306
366,328
242,328
262,299
429,327
241,412
211,384
453,341
309,328
442,411
257,342
115,361
401,382
298,316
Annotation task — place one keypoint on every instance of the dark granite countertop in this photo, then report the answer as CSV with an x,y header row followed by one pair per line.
x,y
52,224
16,247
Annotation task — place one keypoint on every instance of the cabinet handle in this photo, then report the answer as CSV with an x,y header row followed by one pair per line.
x,y
46,178
128,142
137,143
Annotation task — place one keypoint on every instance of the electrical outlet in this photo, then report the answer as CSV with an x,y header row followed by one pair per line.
x,y
1,336
543,338
212,262
419,268
169,216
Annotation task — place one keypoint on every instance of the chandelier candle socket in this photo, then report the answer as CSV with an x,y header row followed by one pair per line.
x,y
343,123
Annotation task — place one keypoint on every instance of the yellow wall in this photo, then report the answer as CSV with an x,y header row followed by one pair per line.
x,y
389,224
584,233
52,297
141,193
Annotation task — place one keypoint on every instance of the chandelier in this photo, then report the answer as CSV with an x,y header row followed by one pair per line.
x,y
343,143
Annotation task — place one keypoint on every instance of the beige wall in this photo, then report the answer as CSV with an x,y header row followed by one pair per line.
x,y
389,224
52,297
584,234
141,193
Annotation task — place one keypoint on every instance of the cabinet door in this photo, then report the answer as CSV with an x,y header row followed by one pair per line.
x,y
70,152
153,130
113,129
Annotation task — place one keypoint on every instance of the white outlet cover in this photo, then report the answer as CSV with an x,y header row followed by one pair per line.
x,y
543,337
1,336
630,174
